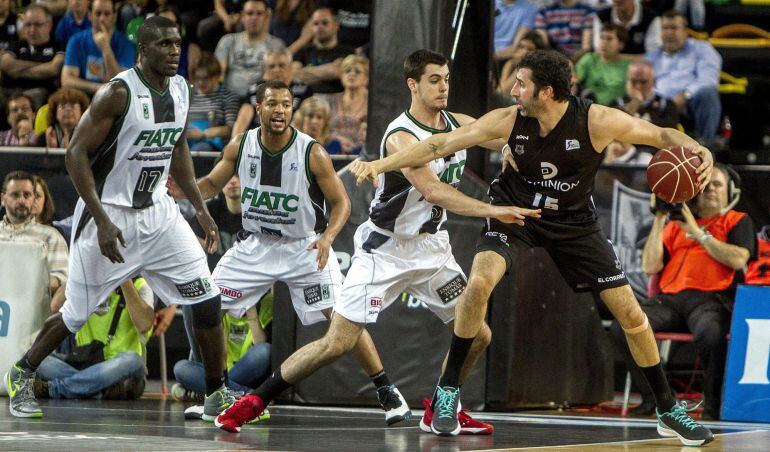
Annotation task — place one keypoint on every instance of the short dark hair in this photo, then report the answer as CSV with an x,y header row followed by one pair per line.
x,y
673,14
150,28
210,64
620,32
549,68
415,63
19,94
272,84
537,40
18,175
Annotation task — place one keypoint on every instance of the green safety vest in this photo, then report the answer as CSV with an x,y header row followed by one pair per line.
x,y
127,337
238,331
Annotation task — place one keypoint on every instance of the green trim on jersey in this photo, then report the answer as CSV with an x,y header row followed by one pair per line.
x,y
308,173
128,100
424,127
147,84
240,150
452,119
280,151
385,141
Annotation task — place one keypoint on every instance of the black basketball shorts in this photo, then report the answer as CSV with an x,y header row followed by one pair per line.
x,y
585,259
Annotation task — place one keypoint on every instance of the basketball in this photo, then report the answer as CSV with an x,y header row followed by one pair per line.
x,y
671,174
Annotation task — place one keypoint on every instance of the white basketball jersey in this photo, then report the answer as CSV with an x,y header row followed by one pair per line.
x,y
278,193
397,206
131,168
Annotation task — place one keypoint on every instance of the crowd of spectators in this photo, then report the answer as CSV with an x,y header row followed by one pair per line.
x,y
55,55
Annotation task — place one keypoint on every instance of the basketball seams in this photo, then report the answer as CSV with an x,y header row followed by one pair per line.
x,y
682,162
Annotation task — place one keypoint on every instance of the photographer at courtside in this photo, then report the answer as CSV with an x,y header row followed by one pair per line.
x,y
697,251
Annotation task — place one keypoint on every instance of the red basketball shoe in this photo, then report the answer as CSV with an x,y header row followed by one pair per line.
x,y
240,412
468,425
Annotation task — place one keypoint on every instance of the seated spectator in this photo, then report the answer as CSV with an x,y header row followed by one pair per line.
x,y
34,65
42,208
97,55
226,18
65,107
530,41
248,355
315,115
277,67
603,72
354,17
688,73
758,272
318,64
21,118
568,26
117,373
291,24
191,52
9,27
225,209
241,54
642,101
130,10
213,108
514,19
641,23
18,225
75,21
697,254
349,108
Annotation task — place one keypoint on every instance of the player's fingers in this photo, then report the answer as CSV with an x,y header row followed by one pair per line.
x,y
323,255
530,212
122,240
312,245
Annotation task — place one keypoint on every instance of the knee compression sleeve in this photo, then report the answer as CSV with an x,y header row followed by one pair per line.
x,y
638,329
208,313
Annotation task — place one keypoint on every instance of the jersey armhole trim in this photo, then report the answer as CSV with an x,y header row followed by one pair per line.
x,y
452,119
385,145
240,151
128,99
308,173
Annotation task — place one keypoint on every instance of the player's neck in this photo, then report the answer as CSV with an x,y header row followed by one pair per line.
x,y
551,116
273,142
427,116
157,81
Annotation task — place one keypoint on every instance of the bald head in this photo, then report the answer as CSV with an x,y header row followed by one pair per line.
x,y
149,31
641,77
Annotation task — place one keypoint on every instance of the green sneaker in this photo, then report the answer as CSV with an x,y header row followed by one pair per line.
x,y
445,422
217,402
678,424
20,384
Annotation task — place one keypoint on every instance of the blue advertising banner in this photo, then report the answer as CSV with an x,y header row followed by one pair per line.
x,y
746,387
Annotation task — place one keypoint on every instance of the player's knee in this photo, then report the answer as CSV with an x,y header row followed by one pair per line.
x,y
334,347
478,291
207,314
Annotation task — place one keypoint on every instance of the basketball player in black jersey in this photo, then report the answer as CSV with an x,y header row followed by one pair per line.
x,y
557,142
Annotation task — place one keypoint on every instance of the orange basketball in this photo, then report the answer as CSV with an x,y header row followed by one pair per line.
x,y
671,174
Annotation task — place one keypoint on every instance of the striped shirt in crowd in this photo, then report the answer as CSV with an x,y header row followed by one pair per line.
x,y
30,231
217,108
564,25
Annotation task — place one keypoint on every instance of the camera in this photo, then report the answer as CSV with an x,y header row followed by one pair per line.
x,y
674,210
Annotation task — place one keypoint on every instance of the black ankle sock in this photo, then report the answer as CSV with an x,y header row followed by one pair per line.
x,y
380,379
212,384
25,364
458,351
664,400
270,388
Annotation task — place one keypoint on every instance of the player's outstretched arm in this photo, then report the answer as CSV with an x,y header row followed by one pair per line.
x,y
493,125
323,173
184,175
492,145
607,124
110,102
212,183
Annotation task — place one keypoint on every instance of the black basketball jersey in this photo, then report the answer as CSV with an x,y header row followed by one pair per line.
x,y
556,172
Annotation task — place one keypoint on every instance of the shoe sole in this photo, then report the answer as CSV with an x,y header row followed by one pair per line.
x,y
398,417
669,433
425,427
220,425
454,432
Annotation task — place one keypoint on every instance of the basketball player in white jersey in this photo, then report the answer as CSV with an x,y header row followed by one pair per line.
x,y
403,247
126,145
286,177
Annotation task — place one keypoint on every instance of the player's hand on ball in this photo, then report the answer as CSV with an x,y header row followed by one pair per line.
x,y
508,158
364,170
511,214
108,235
212,231
323,245
705,168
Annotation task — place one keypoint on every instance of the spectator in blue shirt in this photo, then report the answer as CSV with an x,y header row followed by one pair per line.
x,y
97,55
75,21
514,19
688,73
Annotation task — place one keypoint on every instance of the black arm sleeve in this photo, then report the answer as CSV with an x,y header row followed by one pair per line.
x,y
743,235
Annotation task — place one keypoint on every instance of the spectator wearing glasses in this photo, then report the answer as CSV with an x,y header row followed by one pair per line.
x,y
349,108
21,118
241,55
642,101
34,64
65,107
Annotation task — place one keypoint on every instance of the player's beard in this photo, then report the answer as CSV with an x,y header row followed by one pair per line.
x,y
272,131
